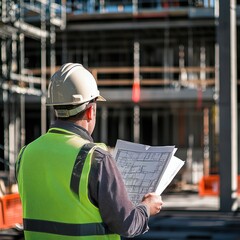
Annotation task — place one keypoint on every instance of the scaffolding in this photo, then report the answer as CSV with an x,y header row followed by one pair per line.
x,y
20,20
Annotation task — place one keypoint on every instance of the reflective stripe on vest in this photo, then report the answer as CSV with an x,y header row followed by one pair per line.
x,y
86,229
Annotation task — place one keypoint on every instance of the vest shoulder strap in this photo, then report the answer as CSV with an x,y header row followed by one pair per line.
x,y
78,166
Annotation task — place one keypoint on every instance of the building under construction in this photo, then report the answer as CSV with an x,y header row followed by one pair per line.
x,y
156,62
20,22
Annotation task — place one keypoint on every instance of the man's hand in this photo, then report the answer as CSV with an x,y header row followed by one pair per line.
x,y
154,202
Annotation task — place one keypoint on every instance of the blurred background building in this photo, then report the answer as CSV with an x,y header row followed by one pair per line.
x,y
155,61
22,22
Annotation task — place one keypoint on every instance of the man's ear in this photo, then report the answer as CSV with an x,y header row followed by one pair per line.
x,y
89,113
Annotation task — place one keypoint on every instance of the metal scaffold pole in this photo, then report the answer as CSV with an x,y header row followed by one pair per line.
x,y
52,41
21,39
22,97
136,111
43,71
5,103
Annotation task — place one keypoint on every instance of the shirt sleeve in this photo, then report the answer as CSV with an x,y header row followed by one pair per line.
x,y
108,193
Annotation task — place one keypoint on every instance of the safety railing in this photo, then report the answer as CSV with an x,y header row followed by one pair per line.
x,y
149,76
115,6
165,77
191,77
56,11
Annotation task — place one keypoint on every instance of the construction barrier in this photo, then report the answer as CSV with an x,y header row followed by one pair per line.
x,y
10,210
209,185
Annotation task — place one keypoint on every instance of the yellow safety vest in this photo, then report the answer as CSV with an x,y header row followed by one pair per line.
x,y
52,174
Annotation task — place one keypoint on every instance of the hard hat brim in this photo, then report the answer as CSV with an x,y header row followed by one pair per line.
x,y
101,98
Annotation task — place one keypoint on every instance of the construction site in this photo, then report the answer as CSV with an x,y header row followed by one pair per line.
x,y
169,71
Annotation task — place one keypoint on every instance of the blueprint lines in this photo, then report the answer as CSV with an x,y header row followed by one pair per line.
x,y
142,169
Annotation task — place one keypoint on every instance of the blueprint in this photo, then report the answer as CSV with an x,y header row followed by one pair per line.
x,y
145,168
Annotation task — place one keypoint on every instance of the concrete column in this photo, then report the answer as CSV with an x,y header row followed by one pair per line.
x,y
228,146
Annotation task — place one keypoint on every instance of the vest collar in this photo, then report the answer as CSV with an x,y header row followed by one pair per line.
x,y
69,126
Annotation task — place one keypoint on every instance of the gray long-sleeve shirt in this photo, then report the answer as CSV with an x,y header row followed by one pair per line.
x,y
107,191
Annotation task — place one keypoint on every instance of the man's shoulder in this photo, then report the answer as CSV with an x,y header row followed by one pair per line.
x,y
101,152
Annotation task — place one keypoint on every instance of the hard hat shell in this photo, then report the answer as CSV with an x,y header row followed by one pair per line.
x,y
72,84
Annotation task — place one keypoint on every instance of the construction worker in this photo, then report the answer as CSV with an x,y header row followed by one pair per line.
x,y
71,187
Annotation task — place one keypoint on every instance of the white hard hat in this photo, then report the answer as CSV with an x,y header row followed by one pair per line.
x,y
72,85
